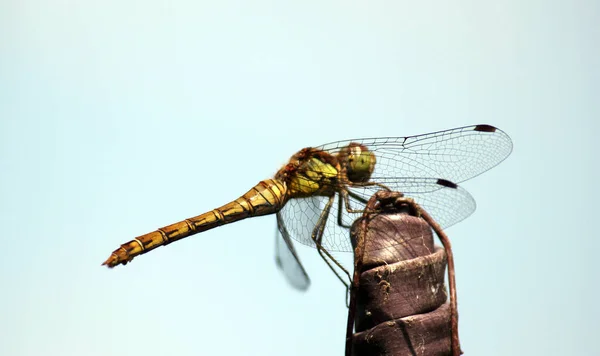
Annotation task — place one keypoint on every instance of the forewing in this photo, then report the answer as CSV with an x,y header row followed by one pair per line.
x,y
456,154
287,258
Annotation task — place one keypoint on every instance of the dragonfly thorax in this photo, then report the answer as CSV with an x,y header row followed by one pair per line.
x,y
357,162
310,172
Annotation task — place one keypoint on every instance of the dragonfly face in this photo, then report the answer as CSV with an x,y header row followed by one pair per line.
x,y
357,162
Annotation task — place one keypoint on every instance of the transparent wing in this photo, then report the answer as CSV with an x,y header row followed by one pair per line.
x,y
287,259
456,154
446,202
301,216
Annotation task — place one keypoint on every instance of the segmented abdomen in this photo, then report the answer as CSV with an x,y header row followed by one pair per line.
x,y
267,197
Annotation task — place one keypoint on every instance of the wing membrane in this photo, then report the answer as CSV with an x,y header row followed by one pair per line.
x,y
447,203
457,154
287,259
301,215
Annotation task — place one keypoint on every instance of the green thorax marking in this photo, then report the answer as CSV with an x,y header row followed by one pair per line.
x,y
310,172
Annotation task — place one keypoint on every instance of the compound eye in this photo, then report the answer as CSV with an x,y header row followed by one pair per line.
x,y
361,163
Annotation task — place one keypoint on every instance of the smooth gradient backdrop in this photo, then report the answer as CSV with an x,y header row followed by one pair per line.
x,y
118,117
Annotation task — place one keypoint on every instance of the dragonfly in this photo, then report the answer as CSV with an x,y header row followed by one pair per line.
x,y
318,194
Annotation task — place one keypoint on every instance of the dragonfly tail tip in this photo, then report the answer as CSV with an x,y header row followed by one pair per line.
x,y
111,262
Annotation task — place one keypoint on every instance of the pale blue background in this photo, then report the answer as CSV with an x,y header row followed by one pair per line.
x,y
118,117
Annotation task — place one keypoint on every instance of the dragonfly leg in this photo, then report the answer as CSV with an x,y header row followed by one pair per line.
x,y
341,198
344,200
344,193
357,197
317,237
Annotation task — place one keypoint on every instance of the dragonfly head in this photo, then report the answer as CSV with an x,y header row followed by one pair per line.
x,y
357,161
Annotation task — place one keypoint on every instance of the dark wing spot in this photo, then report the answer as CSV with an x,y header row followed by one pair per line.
x,y
485,128
447,183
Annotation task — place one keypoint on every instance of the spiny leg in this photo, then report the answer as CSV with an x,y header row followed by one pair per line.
x,y
347,192
344,195
343,199
317,237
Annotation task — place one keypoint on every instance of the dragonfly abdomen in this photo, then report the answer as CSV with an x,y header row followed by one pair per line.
x,y
267,197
